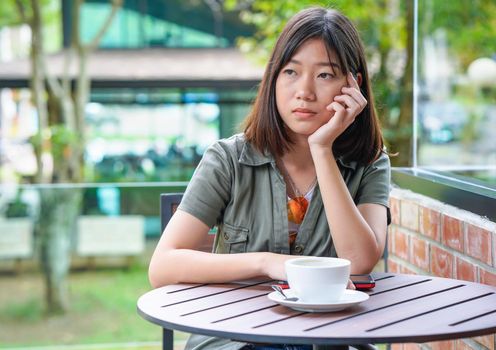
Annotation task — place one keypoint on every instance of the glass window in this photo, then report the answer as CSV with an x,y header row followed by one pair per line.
x,y
456,97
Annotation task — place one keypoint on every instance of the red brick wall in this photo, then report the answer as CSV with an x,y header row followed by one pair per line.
x,y
431,238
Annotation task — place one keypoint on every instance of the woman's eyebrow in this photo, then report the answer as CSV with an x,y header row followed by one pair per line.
x,y
323,64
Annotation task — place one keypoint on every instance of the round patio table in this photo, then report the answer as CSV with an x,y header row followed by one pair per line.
x,y
401,308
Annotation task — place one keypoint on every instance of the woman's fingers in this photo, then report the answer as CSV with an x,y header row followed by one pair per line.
x,y
349,102
353,90
350,285
350,107
340,114
352,81
356,94
337,107
338,122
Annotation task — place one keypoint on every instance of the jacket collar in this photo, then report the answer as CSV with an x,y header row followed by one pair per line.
x,y
351,164
251,156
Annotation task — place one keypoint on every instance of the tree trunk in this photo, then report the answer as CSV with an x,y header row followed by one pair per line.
x,y
81,99
404,138
38,75
59,210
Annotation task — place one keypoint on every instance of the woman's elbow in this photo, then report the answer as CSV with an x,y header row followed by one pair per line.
x,y
364,265
362,269
153,278
158,276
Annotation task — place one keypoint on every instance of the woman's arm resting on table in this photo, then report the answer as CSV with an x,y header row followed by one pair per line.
x,y
175,259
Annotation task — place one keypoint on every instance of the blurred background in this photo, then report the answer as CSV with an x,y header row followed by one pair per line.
x,y
106,104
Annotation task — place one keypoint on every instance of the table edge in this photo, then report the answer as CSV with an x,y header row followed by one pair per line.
x,y
241,337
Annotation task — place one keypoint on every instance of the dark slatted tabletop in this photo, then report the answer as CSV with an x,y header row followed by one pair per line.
x,y
401,308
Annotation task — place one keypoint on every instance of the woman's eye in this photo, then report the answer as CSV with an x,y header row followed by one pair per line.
x,y
326,75
289,72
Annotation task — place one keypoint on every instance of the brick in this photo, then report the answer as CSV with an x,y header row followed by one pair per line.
x,y
461,345
400,247
393,266
394,204
487,277
442,345
441,262
487,341
390,238
478,244
465,270
452,233
419,255
407,270
411,346
430,223
409,215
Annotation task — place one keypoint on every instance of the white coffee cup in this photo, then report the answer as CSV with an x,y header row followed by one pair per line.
x,y
318,279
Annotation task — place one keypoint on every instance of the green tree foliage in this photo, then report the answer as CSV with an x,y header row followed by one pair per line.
x,y
9,15
470,26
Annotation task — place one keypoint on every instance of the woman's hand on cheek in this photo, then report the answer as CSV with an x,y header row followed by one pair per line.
x,y
344,109
327,133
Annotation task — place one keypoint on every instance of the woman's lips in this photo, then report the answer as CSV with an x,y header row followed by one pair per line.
x,y
304,112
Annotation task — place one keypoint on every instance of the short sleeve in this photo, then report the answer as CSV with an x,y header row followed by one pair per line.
x,y
209,190
376,182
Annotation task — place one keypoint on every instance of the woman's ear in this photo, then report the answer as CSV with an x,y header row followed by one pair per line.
x,y
358,78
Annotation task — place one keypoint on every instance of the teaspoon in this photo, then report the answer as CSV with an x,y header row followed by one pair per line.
x,y
280,290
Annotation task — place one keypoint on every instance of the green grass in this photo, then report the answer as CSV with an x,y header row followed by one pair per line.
x,y
28,311
102,310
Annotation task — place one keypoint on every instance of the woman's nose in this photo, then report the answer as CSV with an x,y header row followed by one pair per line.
x,y
305,90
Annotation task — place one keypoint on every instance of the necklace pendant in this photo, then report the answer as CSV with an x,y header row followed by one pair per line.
x,y
297,208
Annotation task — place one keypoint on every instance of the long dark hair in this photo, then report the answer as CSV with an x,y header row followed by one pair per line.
x,y
264,128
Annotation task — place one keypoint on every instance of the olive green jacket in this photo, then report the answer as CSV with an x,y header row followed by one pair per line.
x,y
242,192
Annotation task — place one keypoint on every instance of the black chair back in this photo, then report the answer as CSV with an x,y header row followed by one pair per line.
x,y
168,205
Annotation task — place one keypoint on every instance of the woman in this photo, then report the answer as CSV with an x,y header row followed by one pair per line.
x,y
308,176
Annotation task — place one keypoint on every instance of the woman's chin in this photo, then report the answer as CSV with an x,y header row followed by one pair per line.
x,y
303,133
302,130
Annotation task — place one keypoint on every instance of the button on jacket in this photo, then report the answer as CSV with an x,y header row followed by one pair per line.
x,y
241,191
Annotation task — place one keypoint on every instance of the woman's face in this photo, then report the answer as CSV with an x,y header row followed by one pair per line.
x,y
306,85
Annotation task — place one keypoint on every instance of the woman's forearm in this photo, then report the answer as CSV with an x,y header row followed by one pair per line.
x,y
352,236
176,259
191,266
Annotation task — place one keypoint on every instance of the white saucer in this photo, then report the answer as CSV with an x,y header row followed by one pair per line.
x,y
349,298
